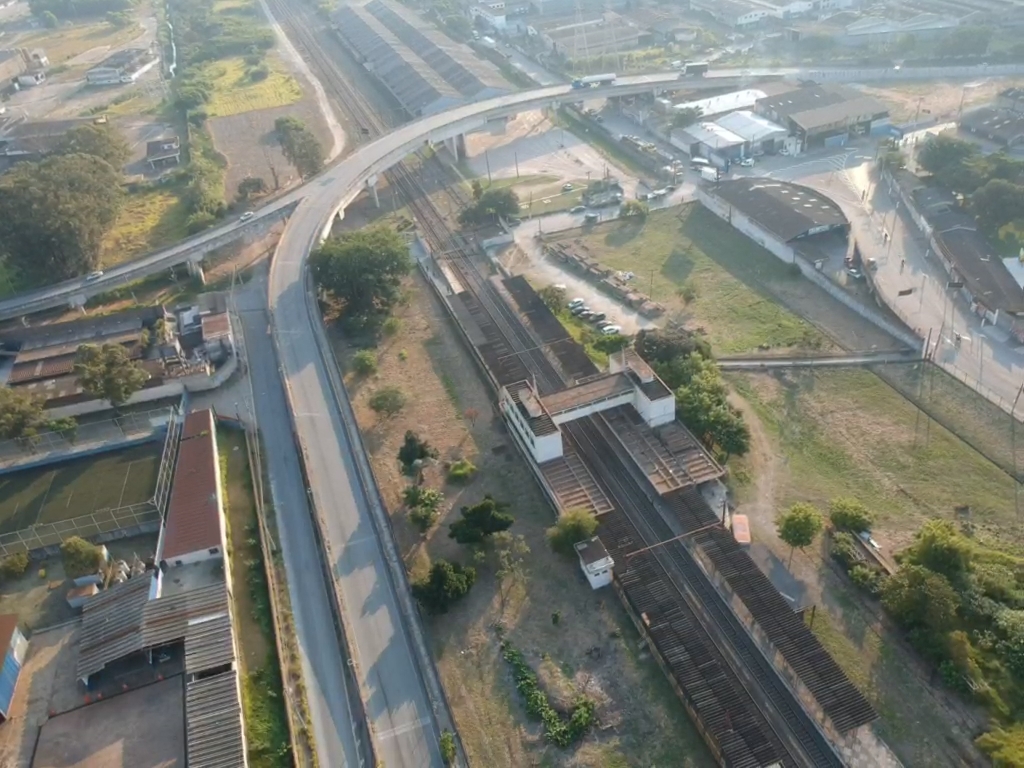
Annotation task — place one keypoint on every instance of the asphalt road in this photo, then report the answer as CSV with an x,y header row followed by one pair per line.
x,y
323,665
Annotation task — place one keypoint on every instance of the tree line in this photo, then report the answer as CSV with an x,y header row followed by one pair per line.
x,y
992,185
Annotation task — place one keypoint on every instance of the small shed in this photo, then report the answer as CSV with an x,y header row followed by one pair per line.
x,y
15,647
595,561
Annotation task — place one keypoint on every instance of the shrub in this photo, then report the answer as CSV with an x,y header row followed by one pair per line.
x,y
14,566
461,471
849,515
574,525
448,750
867,578
445,584
414,449
80,557
256,74
422,518
391,326
844,549
387,402
364,362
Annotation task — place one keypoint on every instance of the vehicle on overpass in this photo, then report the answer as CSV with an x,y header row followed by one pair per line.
x,y
694,69
594,80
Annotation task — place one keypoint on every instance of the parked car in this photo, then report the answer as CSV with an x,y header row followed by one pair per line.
x,y
586,314
577,302
612,330
855,273
590,218
94,275
578,209
604,324
246,216
597,317
747,162
567,187
579,310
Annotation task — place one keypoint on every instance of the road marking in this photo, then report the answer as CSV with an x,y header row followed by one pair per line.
x,y
390,734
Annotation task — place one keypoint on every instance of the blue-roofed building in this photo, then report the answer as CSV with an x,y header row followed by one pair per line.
x,y
15,647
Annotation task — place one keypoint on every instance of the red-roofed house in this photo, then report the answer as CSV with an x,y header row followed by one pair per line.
x,y
194,529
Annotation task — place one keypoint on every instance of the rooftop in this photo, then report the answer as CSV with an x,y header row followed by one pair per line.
x,y
712,135
816,106
8,623
213,722
727,102
531,407
985,274
591,551
123,58
1000,125
787,210
750,126
165,147
78,331
216,326
195,508
604,387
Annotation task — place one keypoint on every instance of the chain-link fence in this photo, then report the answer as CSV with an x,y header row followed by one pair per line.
x,y
956,405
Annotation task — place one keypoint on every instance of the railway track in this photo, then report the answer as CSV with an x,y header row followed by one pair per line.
x,y
756,718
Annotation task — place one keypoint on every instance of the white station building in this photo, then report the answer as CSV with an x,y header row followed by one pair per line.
x,y
536,420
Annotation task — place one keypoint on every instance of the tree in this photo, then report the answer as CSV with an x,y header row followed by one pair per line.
x,y
54,215
300,146
119,19
448,750
950,161
66,427
553,297
414,450
481,520
423,504
940,548
364,362
80,558
919,599
447,583
108,373
997,203
511,552
634,209
893,160
610,344
492,203
667,345
250,187
968,41
363,270
1004,745
22,414
849,515
684,118
478,189
14,566
386,402
798,526
97,140
574,525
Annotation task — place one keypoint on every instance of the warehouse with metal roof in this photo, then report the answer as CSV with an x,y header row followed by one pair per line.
x,y
425,71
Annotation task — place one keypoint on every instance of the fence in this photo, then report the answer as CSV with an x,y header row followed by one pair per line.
x,y
99,526
90,437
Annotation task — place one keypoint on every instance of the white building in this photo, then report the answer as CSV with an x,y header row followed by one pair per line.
x,y
490,12
727,102
535,420
759,133
595,562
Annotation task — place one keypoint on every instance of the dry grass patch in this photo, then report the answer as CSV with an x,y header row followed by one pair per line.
x,y
149,220
68,42
235,91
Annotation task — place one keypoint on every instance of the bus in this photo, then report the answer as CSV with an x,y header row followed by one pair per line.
x,y
594,80
694,69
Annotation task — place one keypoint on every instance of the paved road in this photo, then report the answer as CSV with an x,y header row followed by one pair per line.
x,y
323,666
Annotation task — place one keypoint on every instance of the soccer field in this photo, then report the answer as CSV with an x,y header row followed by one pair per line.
x,y
80,487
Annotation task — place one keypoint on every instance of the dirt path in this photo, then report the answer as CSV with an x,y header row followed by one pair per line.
x,y
762,465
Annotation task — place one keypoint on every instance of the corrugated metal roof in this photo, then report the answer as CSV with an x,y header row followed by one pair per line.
x,y
194,511
8,623
216,326
213,722
208,643
123,620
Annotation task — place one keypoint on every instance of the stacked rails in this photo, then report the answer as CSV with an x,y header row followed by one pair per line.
x,y
735,730
549,329
844,705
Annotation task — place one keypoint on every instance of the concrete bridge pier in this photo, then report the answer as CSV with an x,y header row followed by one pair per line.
x,y
195,269
457,146
371,184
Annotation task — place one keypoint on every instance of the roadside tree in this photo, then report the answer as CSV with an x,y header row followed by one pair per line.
x,y
491,204
363,270
573,526
108,372
446,584
553,297
849,515
300,146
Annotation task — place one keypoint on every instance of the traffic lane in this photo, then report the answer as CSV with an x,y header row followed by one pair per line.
x,y
323,667
395,699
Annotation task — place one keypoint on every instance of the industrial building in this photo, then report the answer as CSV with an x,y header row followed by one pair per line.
x,y
710,140
782,217
121,67
760,135
422,68
822,115
1001,126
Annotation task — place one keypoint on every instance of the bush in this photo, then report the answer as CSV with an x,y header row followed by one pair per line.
x,y
573,526
843,548
391,326
422,518
849,515
387,402
364,362
445,584
413,450
256,74
14,566
867,578
448,750
461,471
80,557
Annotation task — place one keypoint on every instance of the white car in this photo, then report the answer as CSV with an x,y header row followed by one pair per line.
x,y
246,216
747,162
577,302
93,276
612,330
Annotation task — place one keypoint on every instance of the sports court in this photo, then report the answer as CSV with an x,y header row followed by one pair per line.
x,y
79,487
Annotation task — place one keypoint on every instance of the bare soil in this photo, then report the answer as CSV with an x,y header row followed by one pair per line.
x,y
593,647
938,100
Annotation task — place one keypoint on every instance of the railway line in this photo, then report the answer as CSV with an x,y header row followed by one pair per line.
x,y
748,714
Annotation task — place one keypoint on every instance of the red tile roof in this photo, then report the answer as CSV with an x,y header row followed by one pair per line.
x,y
194,511
8,623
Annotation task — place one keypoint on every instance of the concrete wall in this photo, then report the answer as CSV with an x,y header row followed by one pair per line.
x,y
655,412
741,222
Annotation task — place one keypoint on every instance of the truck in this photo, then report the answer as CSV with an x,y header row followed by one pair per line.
x,y
594,80
709,174
694,69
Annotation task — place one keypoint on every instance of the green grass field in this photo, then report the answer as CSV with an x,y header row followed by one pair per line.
x,y
149,220
81,487
235,92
